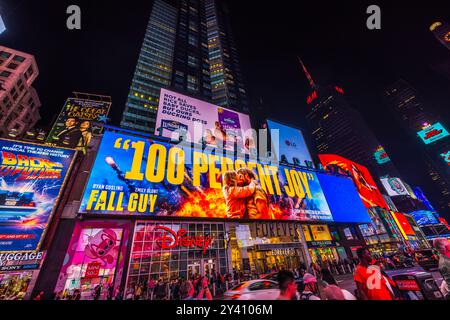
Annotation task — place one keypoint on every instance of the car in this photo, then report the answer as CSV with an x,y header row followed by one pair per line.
x,y
427,259
16,206
260,289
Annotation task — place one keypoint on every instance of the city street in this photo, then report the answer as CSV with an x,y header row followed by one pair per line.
x,y
346,281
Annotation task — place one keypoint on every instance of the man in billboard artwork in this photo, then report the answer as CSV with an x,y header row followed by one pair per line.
x,y
258,206
236,196
71,135
86,134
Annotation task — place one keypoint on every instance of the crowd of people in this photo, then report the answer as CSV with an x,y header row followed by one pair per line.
x,y
317,282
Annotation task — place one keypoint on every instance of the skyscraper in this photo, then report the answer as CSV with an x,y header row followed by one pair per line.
x,y
19,102
433,139
338,128
188,47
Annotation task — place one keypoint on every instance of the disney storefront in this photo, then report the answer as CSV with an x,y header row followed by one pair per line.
x,y
172,250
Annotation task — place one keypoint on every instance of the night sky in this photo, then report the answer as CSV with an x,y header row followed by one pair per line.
x,y
330,36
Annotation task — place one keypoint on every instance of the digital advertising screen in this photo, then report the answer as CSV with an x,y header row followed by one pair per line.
x,y
433,133
403,224
75,124
31,179
394,187
367,230
343,199
421,196
381,156
292,146
366,186
96,254
424,217
138,176
202,122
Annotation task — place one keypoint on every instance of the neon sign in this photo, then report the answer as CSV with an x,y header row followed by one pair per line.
x,y
433,133
172,239
339,89
381,156
312,97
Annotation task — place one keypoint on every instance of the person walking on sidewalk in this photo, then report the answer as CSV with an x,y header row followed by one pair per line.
x,y
286,282
443,247
371,282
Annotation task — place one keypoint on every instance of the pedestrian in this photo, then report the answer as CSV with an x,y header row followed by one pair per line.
x,y
371,282
286,282
76,295
59,295
187,290
204,292
160,290
119,295
331,289
151,288
308,288
97,292
443,247
39,297
110,292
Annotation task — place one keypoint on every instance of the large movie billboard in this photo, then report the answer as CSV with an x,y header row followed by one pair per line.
x,y
137,176
76,123
31,179
366,186
202,122
292,146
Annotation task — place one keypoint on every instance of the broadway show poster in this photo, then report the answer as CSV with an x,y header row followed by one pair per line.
x,y
137,176
76,123
366,186
203,123
31,179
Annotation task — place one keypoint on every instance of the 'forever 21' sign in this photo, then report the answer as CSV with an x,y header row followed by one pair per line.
x,y
274,229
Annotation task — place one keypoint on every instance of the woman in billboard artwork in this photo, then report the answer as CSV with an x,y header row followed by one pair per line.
x,y
258,206
236,196
86,134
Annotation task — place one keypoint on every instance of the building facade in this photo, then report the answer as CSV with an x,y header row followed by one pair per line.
x,y
187,47
432,138
19,102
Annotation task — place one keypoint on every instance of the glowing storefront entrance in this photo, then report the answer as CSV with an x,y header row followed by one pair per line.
x,y
259,248
321,245
171,250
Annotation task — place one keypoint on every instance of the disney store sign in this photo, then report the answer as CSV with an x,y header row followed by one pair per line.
x,y
171,239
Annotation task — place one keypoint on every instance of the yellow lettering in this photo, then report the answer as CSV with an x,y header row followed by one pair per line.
x,y
304,178
101,202
288,188
111,201
200,165
153,198
213,172
156,163
132,202
176,160
92,199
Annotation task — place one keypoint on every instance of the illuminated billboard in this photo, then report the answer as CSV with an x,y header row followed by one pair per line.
x,y
292,146
421,196
394,187
202,122
381,156
138,176
95,255
367,189
31,179
343,199
433,133
76,123
446,157
2,25
424,217
403,224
